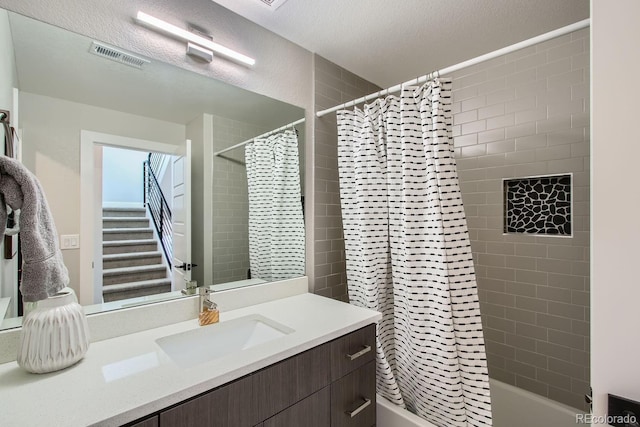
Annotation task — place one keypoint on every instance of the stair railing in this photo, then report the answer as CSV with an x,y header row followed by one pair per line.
x,y
157,205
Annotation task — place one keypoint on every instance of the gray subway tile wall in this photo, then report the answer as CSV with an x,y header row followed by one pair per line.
x,y
230,220
230,201
527,114
333,85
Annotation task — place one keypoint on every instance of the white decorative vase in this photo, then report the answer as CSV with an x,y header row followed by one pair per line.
x,y
54,335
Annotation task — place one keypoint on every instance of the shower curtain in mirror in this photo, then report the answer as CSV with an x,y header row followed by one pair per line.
x,y
276,223
408,254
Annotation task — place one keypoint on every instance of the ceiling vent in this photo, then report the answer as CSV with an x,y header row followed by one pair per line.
x,y
273,4
117,55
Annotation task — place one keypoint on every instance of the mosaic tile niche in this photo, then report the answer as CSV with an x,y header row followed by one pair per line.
x,y
538,205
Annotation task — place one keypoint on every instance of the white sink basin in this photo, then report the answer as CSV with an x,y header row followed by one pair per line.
x,y
221,339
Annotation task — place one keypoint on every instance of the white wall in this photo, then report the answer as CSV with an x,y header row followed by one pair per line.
x,y
8,80
615,287
7,64
122,177
282,70
51,149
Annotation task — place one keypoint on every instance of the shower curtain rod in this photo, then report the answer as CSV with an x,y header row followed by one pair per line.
x,y
240,144
520,45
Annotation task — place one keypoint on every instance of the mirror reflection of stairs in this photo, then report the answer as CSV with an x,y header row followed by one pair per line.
x,y
132,263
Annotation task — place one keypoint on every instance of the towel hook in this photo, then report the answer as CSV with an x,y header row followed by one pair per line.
x,y
5,116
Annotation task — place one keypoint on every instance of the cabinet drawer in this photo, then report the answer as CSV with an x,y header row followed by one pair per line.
x,y
149,422
353,398
283,384
352,351
227,406
314,411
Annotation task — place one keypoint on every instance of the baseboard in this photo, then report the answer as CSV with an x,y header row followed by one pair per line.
x,y
122,205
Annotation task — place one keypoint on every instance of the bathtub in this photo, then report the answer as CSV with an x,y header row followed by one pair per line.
x,y
511,406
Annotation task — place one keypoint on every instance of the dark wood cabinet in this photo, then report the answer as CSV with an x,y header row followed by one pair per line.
x,y
285,383
314,411
331,385
227,406
149,422
353,398
352,351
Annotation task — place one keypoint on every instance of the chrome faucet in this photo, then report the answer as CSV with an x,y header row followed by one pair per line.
x,y
205,302
191,287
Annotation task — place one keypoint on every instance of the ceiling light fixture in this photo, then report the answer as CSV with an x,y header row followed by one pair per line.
x,y
182,34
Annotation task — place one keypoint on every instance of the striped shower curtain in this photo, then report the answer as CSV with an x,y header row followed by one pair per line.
x,y
276,223
408,254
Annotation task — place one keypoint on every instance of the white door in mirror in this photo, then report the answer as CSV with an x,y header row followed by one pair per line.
x,y
181,219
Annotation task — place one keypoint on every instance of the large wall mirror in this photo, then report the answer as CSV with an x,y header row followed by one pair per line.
x,y
108,141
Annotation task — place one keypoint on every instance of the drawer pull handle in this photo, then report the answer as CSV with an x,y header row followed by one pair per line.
x,y
360,408
365,350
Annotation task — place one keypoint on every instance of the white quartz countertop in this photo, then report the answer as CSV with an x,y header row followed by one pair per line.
x,y
4,306
128,377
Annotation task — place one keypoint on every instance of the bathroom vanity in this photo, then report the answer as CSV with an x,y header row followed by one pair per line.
x,y
332,384
316,369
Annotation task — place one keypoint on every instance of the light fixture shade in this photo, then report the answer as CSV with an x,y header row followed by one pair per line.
x,y
199,52
182,34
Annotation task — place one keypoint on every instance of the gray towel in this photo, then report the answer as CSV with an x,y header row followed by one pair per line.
x,y
43,271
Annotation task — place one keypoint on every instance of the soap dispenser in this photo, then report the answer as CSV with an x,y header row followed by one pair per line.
x,y
209,313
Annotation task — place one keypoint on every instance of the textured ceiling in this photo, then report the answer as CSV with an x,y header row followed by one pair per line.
x,y
54,62
391,41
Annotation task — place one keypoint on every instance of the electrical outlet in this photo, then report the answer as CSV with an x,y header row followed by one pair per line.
x,y
70,241
623,412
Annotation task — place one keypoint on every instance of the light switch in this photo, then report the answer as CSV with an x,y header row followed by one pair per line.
x,y
70,241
